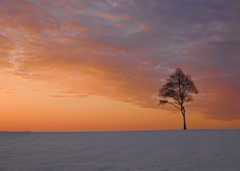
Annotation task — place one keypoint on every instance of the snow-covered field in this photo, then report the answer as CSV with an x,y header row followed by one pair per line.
x,y
191,150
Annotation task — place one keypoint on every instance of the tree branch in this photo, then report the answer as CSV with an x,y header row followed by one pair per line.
x,y
173,105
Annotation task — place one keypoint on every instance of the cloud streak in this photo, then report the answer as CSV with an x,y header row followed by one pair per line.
x,y
124,50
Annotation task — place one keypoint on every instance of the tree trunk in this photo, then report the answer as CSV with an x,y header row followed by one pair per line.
x,y
184,119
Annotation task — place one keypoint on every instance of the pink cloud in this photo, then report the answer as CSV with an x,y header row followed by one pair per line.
x,y
219,38
106,15
83,54
143,27
119,25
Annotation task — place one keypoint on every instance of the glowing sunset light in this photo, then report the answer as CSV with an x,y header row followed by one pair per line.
x,y
76,65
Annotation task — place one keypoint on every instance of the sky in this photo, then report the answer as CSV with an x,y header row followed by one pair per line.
x,y
97,65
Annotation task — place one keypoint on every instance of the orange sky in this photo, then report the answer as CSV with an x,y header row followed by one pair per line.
x,y
98,66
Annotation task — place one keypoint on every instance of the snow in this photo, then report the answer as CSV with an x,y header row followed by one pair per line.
x,y
172,150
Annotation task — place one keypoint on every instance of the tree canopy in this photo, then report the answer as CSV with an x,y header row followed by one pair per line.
x,y
179,88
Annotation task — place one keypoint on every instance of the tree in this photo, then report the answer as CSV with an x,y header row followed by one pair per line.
x,y
179,88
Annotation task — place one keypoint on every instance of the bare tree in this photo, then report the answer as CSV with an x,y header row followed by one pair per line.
x,y
179,88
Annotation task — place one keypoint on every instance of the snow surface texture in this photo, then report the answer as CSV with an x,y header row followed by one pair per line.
x,y
176,150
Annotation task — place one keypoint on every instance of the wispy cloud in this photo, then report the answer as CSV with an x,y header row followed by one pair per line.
x,y
34,91
124,50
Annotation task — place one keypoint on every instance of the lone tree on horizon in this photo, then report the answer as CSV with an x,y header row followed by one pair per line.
x,y
179,88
